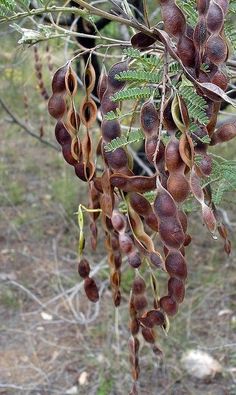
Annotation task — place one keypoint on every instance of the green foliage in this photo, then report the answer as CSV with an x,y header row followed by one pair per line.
x,y
196,104
134,136
223,177
133,93
6,7
145,59
140,76
189,9
230,33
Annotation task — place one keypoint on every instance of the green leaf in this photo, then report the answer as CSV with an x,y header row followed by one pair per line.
x,y
133,93
134,136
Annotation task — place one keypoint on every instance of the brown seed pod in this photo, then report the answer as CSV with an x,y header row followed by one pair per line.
x,y
139,203
138,286
164,205
215,18
66,152
140,302
176,289
216,49
118,221
171,232
152,318
178,186
117,160
107,104
58,81
149,335
176,265
149,118
133,183
186,51
110,130
220,79
91,289
117,68
150,149
88,112
173,17
126,243
56,106
134,259
62,135
83,268
71,82
102,85
141,40
173,159
156,260
134,326
169,305
225,133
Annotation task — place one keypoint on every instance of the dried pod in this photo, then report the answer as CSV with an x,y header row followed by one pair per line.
x,y
134,326
149,118
164,205
156,260
216,49
71,81
138,286
173,17
107,104
133,183
117,159
220,79
171,232
141,40
118,221
176,289
176,265
56,106
126,243
149,335
134,260
91,289
117,68
169,305
88,112
58,81
215,18
178,186
102,85
186,51
110,130
225,133
67,154
83,268
173,159
152,318
140,302
62,135
139,203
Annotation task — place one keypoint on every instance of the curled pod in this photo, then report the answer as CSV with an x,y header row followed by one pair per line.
x,y
117,68
83,268
138,286
88,112
216,49
117,159
102,85
149,118
169,305
56,106
152,318
62,135
133,183
176,289
72,120
91,289
176,265
71,82
126,243
200,33
186,51
225,133
168,121
133,345
89,79
134,259
140,302
215,18
178,186
173,159
66,152
80,171
141,40
118,221
173,18
164,205
110,130
149,335
58,81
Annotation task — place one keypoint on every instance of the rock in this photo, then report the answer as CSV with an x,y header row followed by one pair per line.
x,y
72,391
200,364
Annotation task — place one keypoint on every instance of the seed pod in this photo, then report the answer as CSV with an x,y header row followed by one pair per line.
x,y
149,118
134,326
91,289
225,133
178,187
148,335
173,159
176,289
186,51
133,183
216,49
173,17
215,18
117,68
71,81
171,232
169,306
156,260
66,151
83,268
176,265
118,221
140,302
117,160
152,318
164,205
107,104
134,260
58,81
56,106
110,130
62,135
138,286
141,40
126,243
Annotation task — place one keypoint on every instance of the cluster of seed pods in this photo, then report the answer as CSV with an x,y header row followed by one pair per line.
x,y
38,72
148,235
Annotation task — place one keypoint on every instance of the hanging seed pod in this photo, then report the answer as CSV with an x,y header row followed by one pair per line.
x,y
215,18
171,233
149,335
91,289
139,184
149,118
152,318
117,68
58,81
174,19
225,133
164,205
169,305
138,286
141,40
176,289
216,49
83,268
186,51
176,265
56,106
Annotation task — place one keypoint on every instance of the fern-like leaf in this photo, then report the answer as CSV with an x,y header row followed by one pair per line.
x,y
140,76
133,94
133,137
230,34
196,104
